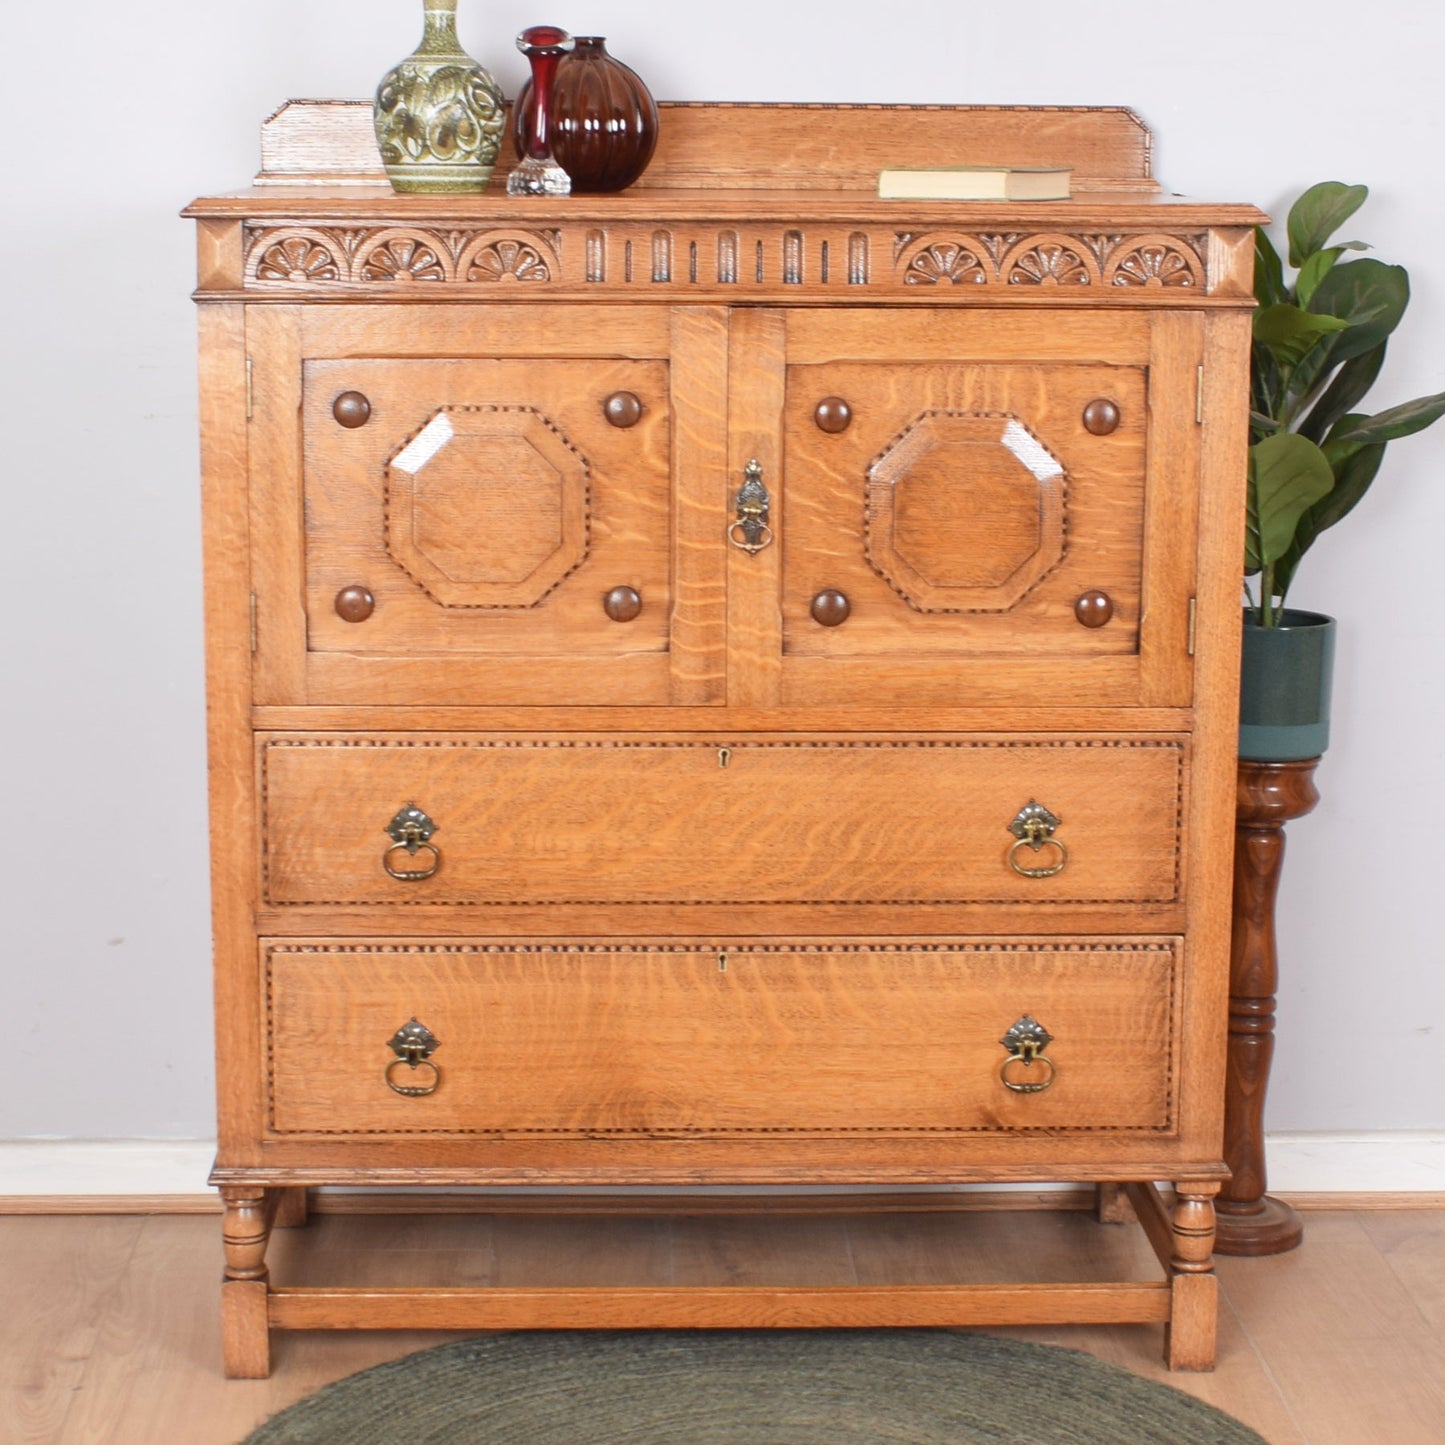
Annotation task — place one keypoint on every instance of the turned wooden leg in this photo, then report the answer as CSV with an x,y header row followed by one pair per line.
x,y
1189,1337
1270,795
245,1230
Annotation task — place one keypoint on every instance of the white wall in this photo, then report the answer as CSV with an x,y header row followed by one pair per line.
x,y
104,935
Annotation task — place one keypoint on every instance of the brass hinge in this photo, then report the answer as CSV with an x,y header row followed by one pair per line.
x,y
253,622
1193,612
248,389
1199,397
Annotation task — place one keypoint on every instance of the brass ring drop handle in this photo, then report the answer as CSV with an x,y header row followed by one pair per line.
x,y
1033,828
751,531
413,1044
1026,1042
410,833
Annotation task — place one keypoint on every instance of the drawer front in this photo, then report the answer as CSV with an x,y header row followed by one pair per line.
x,y
762,821
668,1039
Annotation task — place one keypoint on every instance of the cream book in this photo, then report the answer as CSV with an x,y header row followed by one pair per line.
x,y
975,183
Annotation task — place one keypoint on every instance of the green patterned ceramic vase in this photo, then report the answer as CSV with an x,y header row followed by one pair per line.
x,y
439,115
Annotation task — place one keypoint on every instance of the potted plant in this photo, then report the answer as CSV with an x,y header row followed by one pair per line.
x,y
1319,343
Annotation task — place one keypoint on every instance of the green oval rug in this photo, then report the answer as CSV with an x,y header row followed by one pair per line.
x,y
767,1387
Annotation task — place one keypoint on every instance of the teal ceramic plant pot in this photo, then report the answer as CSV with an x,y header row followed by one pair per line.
x,y
1284,688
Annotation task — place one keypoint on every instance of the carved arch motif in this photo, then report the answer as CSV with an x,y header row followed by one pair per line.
x,y
298,256
508,256
946,261
403,255
1154,261
1051,260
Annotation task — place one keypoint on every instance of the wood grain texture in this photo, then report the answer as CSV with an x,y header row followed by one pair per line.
x,y
735,1307
1270,795
724,896
666,1040
755,405
698,655
657,820
707,143
114,1337
229,582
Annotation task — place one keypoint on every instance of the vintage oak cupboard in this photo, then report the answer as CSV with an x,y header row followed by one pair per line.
x,y
726,684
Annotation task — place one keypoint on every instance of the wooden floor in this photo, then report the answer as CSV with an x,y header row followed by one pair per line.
x,y
108,1331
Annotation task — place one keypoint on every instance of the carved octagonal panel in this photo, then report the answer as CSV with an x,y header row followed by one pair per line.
x,y
965,512
487,506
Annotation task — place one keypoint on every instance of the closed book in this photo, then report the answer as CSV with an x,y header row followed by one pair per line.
x,y
975,183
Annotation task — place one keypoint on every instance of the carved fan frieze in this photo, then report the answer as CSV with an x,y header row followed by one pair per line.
x,y
298,257
508,258
1051,261
945,263
398,255
932,258
1155,261
402,256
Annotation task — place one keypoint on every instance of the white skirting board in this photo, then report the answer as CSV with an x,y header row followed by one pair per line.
x,y
1364,1163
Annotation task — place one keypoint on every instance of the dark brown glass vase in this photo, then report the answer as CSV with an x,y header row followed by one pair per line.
x,y
603,118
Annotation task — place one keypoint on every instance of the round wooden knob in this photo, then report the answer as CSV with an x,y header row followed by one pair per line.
x,y
623,409
830,607
1094,608
832,414
351,409
622,604
354,604
1101,416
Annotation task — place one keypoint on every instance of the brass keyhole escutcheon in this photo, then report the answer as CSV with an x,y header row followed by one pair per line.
x,y
622,604
355,603
830,608
1101,416
623,409
832,415
351,409
1094,608
751,532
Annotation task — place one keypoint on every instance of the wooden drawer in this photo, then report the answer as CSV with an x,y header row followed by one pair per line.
x,y
782,820
559,1041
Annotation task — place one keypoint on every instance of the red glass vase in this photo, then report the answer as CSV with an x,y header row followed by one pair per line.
x,y
538,173
603,118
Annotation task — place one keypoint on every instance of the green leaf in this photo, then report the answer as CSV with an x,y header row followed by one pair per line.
x,y
1289,334
1387,426
1287,475
1313,272
1318,266
1269,286
1354,471
1348,388
1367,294
1318,214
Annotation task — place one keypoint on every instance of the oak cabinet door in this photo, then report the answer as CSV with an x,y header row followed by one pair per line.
x,y
989,509
495,523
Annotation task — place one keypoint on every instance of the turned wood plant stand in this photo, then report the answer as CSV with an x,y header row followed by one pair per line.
x,y
1250,1222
